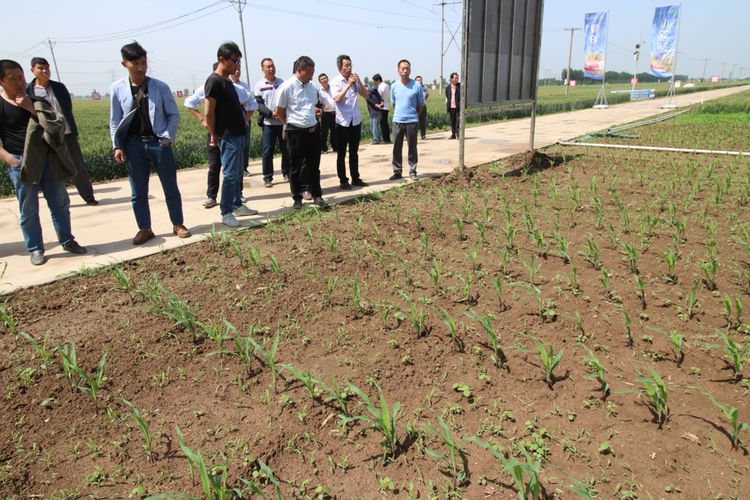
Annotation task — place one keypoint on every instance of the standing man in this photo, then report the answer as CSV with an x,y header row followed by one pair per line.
x,y
345,88
407,98
385,93
214,156
297,109
34,169
452,101
143,119
225,120
374,108
423,113
328,118
265,95
58,96
250,106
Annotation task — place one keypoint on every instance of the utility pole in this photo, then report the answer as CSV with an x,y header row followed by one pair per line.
x,y
51,46
705,64
239,6
570,57
442,39
723,65
731,73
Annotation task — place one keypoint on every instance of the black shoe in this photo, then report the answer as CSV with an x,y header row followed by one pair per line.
x,y
359,182
285,176
72,246
323,204
345,185
297,205
92,202
395,177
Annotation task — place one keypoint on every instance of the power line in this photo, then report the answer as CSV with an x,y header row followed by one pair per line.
x,y
132,31
379,11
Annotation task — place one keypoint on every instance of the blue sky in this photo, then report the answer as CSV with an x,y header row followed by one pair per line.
x,y
376,35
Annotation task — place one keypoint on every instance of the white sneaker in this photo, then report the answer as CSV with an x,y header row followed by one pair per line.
x,y
243,211
229,220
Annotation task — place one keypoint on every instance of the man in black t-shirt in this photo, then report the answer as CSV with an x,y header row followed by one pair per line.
x,y
16,109
224,116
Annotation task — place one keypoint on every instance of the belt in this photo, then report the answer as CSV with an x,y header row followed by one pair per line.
x,y
294,128
147,138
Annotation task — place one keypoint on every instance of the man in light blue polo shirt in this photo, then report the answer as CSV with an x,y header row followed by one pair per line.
x,y
407,99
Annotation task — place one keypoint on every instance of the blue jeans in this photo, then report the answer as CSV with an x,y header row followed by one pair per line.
x,y
272,134
139,155
28,202
231,165
375,128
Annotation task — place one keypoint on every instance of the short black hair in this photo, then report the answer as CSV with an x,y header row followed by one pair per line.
x,y
6,65
132,51
227,50
377,77
215,65
418,76
39,60
453,74
321,76
403,61
303,62
340,60
264,60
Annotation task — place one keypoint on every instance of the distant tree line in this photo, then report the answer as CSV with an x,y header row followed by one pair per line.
x,y
615,77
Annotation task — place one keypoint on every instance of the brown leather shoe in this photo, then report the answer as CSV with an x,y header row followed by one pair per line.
x,y
181,231
143,236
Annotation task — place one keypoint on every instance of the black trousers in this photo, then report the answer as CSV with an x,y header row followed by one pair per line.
x,y
303,147
454,121
328,127
214,170
385,127
423,122
399,131
347,137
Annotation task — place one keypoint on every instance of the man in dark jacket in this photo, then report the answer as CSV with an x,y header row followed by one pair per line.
x,y
452,101
58,96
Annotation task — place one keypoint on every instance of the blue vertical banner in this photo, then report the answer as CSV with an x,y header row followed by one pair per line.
x,y
595,44
664,31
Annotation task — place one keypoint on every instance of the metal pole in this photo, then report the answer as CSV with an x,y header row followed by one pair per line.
x,y
636,56
533,126
705,64
570,58
463,92
51,45
723,65
442,41
239,5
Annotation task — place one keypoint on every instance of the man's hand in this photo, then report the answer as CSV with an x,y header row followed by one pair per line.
x,y
353,78
212,140
119,156
165,143
13,162
24,101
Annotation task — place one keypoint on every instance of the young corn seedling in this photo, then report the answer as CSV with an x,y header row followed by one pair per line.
x,y
452,329
435,275
678,346
671,260
381,419
509,231
532,268
732,416
729,304
592,253
454,454
628,323
498,356
268,356
497,283
7,318
466,295
331,285
459,223
735,355
632,255
45,353
563,246
332,243
305,378
473,254
527,489
125,283
549,361
641,288
148,437
356,296
93,382
213,479
655,390
418,319
336,393
692,300
69,363
482,231
597,371
710,267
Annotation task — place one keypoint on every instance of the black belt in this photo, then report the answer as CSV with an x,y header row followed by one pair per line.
x,y
147,138
294,128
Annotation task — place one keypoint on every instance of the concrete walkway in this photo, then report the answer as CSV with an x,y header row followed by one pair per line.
x,y
107,230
